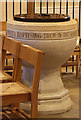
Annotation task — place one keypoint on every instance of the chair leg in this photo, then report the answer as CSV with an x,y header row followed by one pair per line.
x,y
34,109
60,71
77,66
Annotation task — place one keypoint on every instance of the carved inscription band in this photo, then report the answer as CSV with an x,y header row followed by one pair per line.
x,y
31,35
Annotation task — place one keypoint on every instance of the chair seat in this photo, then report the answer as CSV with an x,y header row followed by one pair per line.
x,y
14,92
4,77
14,113
13,88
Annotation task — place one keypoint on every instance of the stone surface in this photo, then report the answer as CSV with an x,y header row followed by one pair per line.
x,y
72,84
29,35
27,26
58,41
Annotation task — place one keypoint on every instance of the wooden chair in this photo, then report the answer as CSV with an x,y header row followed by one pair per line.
x,y
9,56
15,92
13,47
76,54
3,26
75,62
13,114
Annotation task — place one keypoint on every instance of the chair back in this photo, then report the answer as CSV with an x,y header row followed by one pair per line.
x,y
34,57
12,46
77,27
3,26
1,45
